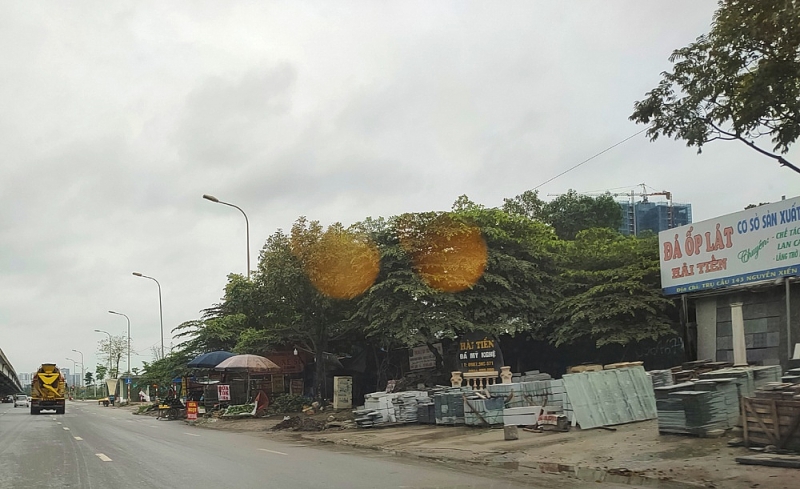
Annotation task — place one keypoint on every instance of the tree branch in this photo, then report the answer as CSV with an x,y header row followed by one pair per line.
x,y
779,158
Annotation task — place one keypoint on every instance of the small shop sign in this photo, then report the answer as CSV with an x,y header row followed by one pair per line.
x,y
479,352
421,357
223,392
191,410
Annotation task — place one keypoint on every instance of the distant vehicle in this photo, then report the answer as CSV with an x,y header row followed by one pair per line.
x,y
47,389
21,400
8,398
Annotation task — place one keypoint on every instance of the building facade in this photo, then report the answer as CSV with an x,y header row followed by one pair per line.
x,y
638,217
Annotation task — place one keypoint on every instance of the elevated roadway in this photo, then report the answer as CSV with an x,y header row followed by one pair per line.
x,y
9,382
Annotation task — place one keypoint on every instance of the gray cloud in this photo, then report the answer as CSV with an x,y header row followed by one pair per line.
x,y
117,119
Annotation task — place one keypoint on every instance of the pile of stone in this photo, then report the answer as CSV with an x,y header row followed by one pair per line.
x,y
389,407
710,405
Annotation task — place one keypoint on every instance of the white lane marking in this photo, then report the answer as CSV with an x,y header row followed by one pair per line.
x,y
58,422
66,429
78,438
191,434
272,451
103,457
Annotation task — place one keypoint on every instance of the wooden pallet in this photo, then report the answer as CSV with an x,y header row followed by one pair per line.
x,y
771,422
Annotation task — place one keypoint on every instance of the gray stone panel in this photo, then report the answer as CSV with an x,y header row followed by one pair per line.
x,y
755,325
761,354
759,340
724,355
773,340
725,343
761,309
723,314
725,329
774,323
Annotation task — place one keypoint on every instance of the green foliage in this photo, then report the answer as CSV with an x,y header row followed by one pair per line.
x,y
100,372
568,213
738,82
163,370
527,204
287,403
88,379
611,291
571,213
511,295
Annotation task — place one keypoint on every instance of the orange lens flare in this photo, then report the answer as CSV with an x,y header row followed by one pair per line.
x,y
448,255
342,265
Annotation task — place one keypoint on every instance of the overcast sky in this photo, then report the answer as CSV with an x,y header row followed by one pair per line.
x,y
118,116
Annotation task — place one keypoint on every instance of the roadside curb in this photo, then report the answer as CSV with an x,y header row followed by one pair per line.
x,y
583,473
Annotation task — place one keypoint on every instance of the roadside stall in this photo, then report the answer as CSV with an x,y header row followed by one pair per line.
x,y
207,384
245,375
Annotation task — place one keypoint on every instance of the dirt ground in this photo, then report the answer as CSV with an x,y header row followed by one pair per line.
x,y
633,454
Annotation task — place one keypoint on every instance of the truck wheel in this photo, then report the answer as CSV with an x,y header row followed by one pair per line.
x,y
60,410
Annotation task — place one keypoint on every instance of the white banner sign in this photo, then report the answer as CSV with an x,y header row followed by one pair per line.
x,y
223,392
762,243
421,357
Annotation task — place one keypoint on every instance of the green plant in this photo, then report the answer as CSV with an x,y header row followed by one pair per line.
x,y
287,403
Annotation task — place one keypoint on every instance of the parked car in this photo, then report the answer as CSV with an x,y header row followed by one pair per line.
x,y
21,400
8,398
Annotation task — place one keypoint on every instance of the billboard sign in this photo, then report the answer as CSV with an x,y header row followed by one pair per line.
x,y
223,392
754,245
479,352
421,357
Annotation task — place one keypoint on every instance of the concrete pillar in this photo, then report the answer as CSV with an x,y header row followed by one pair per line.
x,y
706,309
739,347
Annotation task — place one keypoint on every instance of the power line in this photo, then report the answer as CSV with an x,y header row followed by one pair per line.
x,y
589,159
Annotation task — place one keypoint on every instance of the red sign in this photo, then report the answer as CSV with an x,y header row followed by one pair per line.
x,y
223,392
191,410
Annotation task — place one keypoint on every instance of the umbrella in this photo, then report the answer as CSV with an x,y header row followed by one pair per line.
x,y
249,364
209,360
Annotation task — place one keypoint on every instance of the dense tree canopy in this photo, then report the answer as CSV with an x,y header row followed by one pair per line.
x,y
739,82
428,288
568,213
611,291
556,271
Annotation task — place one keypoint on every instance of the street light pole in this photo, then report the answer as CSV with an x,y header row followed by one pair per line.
x,y
160,309
128,378
73,371
246,222
109,348
83,373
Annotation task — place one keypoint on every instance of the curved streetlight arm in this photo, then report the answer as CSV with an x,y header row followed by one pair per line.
x,y
83,372
160,309
246,223
129,336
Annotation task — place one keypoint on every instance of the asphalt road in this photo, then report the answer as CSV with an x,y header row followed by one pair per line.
x,y
95,447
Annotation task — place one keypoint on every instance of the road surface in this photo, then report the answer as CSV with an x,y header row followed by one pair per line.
x,y
95,447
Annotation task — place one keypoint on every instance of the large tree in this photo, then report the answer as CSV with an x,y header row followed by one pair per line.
x,y
568,213
739,82
611,291
446,274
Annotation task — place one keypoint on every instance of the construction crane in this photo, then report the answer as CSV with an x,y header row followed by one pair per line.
x,y
644,194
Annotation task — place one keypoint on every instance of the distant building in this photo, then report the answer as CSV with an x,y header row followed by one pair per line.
x,y
25,380
643,216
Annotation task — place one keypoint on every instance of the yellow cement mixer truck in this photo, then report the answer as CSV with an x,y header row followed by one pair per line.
x,y
47,389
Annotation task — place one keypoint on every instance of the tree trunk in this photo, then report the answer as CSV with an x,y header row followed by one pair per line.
x,y
439,359
319,358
